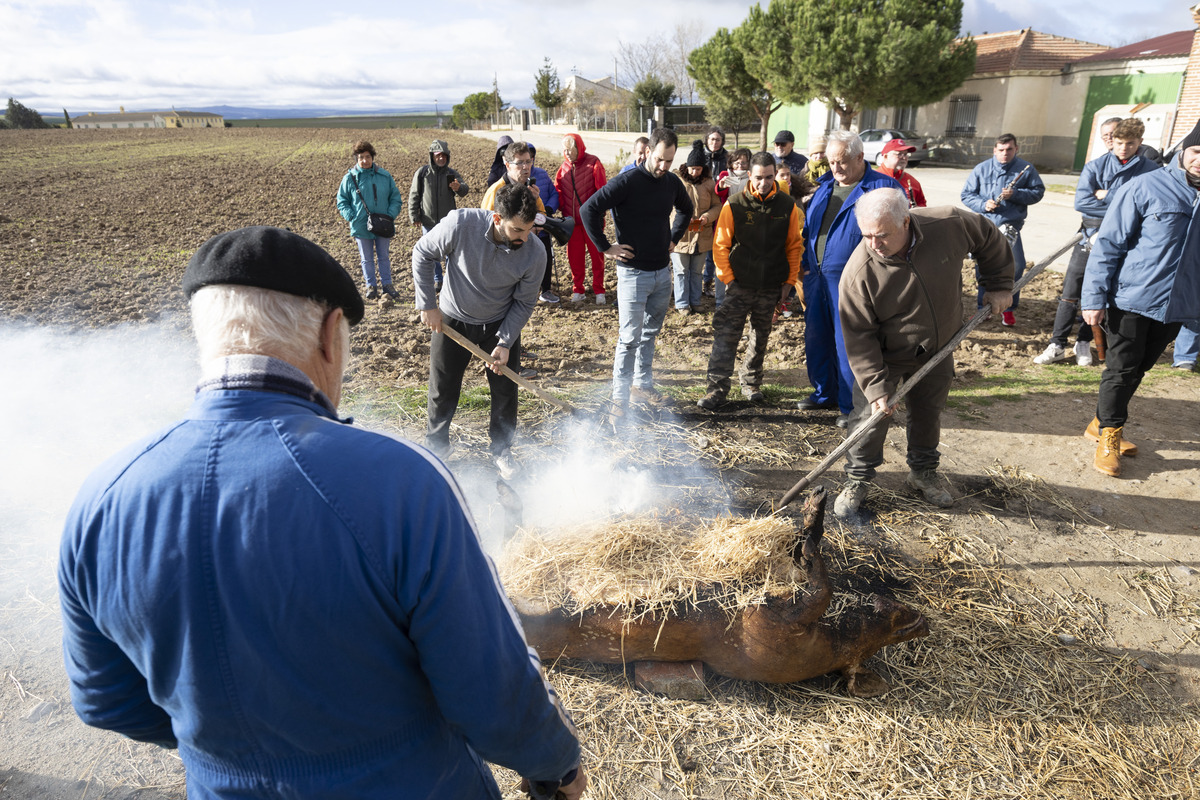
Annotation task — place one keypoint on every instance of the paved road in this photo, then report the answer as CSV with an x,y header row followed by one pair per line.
x,y
1051,222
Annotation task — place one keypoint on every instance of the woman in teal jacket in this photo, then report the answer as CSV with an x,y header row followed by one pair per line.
x,y
376,193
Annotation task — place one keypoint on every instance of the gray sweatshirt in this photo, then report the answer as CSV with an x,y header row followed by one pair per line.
x,y
484,282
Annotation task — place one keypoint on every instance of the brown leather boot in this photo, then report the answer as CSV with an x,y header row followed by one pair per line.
x,y
1108,452
1128,448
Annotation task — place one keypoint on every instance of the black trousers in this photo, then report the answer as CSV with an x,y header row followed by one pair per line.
x,y
1068,304
546,278
448,362
1134,345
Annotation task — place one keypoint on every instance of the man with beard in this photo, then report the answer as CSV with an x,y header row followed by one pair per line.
x,y
494,266
1142,281
641,201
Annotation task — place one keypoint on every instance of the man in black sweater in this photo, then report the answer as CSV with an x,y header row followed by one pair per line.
x,y
641,201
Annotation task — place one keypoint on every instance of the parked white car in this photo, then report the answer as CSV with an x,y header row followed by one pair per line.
x,y
874,139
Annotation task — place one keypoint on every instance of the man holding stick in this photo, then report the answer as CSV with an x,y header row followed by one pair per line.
x,y
1141,283
494,267
900,302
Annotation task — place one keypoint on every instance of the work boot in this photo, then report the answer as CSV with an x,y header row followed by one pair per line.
x,y
1128,448
648,397
1108,452
853,493
390,291
753,394
711,401
372,293
930,486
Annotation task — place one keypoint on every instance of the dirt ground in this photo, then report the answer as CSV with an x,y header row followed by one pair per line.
x,y
95,230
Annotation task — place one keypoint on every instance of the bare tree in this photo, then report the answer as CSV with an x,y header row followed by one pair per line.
x,y
639,59
684,39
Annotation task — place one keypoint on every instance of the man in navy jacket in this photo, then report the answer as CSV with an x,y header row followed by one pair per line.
x,y
1002,189
641,201
300,606
1142,282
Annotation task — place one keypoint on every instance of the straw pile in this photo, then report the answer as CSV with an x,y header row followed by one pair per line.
x,y
648,564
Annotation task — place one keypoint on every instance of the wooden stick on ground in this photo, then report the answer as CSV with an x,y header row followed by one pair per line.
x,y
863,429
476,351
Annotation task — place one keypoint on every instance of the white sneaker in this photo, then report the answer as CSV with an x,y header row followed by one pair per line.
x,y
1055,352
576,297
1083,354
548,297
600,299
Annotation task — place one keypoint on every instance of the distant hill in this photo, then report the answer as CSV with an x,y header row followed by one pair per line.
x,y
243,112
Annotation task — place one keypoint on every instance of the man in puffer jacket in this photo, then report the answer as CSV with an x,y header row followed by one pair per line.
x,y
1142,282
435,188
579,177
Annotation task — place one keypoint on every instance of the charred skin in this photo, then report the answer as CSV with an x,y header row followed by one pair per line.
x,y
782,641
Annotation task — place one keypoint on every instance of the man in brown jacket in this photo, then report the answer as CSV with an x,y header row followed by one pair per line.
x,y
900,301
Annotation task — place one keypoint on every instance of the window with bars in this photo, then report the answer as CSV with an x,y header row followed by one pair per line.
x,y
963,111
906,118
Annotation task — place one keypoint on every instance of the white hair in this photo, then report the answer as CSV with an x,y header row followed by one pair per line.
x,y
882,205
848,140
234,320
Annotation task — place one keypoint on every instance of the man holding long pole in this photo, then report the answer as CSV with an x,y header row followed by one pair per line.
x,y
900,302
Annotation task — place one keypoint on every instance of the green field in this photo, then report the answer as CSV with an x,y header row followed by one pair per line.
x,y
426,120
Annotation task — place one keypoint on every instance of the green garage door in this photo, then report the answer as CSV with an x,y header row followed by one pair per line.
x,y
1123,90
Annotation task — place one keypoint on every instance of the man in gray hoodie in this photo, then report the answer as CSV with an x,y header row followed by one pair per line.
x,y
435,188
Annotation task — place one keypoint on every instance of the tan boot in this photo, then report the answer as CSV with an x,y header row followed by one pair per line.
x,y
1108,452
1093,432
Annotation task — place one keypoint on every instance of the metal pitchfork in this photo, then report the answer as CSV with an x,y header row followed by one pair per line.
x,y
865,428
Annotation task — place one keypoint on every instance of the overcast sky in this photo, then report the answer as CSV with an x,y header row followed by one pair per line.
x,y
97,55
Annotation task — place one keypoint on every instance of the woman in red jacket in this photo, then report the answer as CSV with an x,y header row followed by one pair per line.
x,y
580,175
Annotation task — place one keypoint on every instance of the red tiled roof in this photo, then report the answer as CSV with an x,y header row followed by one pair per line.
x,y
1029,50
1168,45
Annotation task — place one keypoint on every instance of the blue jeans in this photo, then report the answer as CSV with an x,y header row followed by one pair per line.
x,y
437,267
688,286
368,250
710,267
643,297
1018,251
1187,346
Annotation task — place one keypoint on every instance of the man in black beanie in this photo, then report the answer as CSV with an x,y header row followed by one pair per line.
x,y
1142,282
293,602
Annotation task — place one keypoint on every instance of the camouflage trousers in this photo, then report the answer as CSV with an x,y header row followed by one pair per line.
x,y
729,321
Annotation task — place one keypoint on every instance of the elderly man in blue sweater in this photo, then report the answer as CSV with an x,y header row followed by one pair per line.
x,y
641,201
1142,282
300,606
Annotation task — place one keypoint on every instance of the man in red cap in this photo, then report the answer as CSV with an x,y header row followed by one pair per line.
x,y
894,163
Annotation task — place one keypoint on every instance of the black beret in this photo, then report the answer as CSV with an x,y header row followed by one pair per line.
x,y
276,259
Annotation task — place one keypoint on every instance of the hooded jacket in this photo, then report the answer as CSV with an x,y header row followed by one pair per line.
x,y
897,312
1146,257
497,168
381,194
579,181
1106,172
430,198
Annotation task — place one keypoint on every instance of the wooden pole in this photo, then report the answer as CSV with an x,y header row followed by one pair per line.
x,y
476,351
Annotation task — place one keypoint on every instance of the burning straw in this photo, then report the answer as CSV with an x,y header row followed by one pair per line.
x,y
649,563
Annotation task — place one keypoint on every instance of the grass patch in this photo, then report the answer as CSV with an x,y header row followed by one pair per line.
x,y
1061,188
